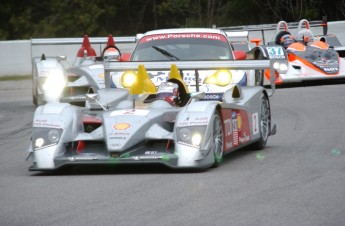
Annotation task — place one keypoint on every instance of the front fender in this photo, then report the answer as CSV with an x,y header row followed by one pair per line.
x,y
196,117
61,118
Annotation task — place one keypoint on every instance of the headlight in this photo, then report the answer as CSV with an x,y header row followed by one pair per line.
x,y
220,78
184,134
191,135
128,78
55,82
53,136
196,139
43,137
281,67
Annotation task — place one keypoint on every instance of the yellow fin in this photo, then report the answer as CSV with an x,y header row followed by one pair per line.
x,y
143,83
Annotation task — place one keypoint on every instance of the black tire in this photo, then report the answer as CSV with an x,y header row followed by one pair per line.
x,y
218,140
264,123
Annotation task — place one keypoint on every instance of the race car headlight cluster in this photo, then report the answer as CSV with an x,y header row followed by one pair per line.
x,y
128,78
220,78
281,67
191,135
55,82
44,137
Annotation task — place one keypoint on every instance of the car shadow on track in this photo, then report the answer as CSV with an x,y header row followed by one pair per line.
x,y
116,169
147,168
311,83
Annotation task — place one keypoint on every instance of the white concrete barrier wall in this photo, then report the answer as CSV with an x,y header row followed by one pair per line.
x,y
16,56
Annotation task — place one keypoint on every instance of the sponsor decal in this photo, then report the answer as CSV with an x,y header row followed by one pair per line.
x,y
213,96
239,121
330,69
76,158
227,127
146,157
121,126
234,129
117,138
227,119
193,123
255,121
150,152
101,75
245,138
185,36
45,123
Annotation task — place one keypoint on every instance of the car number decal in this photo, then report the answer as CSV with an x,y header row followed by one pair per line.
x,y
129,112
275,52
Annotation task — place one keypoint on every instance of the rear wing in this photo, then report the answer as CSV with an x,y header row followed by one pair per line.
x,y
97,42
74,41
266,27
116,66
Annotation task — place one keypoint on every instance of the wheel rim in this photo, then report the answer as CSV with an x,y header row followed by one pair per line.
x,y
265,119
218,139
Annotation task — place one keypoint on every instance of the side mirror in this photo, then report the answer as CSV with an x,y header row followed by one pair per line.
x,y
61,58
91,96
239,55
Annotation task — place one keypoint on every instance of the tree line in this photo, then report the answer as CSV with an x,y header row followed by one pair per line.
x,y
25,19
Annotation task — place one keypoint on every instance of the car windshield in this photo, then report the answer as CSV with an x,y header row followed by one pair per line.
x,y
186,46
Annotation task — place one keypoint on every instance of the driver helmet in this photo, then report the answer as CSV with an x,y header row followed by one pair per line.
x,y
111,54
286,40
168,91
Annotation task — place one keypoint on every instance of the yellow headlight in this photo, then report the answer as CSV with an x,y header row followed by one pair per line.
x,y
220,78
128,78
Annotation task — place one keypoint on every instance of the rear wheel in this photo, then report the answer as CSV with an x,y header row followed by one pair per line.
x,y
217,133
264,123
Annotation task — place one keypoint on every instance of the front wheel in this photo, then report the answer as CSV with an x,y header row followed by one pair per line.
x,y
264,123
218,139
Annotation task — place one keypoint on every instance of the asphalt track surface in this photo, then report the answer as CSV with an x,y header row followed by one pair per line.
x,y
299,179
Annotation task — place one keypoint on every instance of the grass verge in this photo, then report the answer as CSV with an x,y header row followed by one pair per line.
x,y
15,77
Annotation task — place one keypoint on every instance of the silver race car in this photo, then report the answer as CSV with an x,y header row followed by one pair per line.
x,y
56,80
142,124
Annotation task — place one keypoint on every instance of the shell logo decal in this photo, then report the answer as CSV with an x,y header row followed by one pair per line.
x,y
121,126
101,75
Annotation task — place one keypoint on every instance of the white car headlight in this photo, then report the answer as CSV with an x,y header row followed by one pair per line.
x,y
43,137
55,82
281,67
191,135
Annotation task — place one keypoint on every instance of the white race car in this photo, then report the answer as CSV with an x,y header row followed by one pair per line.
x,y
190,44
